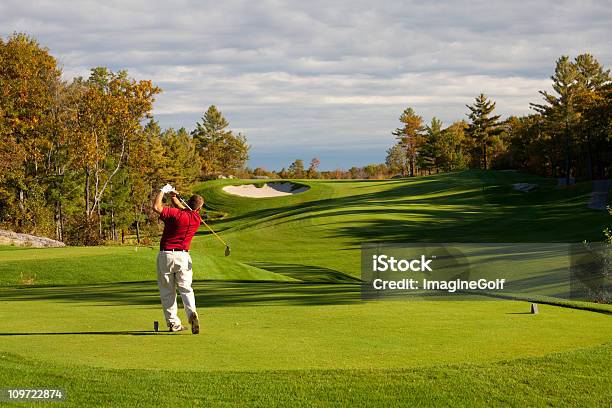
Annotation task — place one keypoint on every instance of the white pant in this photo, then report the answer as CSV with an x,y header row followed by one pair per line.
x,y
174,268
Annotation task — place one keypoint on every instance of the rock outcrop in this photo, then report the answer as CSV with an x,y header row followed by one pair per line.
x,y
27,240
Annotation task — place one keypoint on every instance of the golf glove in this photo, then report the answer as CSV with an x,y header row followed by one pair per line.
x,y
167,189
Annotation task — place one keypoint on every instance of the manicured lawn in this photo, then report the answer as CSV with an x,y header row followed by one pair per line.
x,y
276,326
573,379
283,321
326,225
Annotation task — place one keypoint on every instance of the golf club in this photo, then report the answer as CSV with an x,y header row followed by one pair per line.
x,y
227,248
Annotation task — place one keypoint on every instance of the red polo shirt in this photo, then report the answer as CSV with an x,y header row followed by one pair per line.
x,y
179,227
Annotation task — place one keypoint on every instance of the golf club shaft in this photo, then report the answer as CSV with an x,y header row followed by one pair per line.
x,y
203,222
214,233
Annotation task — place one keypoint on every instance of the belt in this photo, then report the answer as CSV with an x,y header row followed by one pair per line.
x,y
175,250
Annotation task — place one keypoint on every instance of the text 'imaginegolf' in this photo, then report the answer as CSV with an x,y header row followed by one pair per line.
x,y
480,271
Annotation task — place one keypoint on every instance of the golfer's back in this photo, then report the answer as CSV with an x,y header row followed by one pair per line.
x,y
179,228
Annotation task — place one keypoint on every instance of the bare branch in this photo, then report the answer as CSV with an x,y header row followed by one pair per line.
x,y
98,197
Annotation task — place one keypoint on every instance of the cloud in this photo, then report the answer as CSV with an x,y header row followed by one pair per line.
x,y
305,77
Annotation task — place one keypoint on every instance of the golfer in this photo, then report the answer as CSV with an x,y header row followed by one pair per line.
x,y
173,261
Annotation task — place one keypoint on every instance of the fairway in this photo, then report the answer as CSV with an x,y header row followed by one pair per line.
x,y
283,316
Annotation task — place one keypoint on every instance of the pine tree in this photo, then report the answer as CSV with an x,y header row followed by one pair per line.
x,y
410,135
560,109
483,126
219,149
183,162
594,83
431,153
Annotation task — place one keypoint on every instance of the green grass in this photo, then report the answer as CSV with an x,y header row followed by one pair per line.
x,y
573,379
70,266
469,206
277,326
283,322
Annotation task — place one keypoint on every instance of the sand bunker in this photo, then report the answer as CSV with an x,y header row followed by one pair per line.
x,y
265,190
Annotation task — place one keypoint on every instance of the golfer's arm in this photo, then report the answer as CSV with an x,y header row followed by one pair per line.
x,y
177,202
158,205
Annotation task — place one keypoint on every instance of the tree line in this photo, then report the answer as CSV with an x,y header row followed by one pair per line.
x,y
568,134
80,159
297,170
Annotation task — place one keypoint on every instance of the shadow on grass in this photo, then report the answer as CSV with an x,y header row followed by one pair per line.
x,y
308,273
470,206
208,294
114,333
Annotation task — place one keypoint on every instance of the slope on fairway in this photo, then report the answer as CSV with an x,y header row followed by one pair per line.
x,y
320,230
82,265
316,235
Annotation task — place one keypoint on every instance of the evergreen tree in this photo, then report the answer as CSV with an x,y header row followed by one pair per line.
x,y
219,149
410,135
483,126
430,155
592,105
560,110
183,162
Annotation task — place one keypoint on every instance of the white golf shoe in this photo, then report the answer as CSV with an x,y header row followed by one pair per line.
x,y
177,328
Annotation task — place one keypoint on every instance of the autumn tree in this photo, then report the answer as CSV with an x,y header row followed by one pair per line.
x,y
76,161
29,86
313,169
110,111
375,171
354,173
453,148
397,160
296,169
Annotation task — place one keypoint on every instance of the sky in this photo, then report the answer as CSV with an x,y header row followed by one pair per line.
x,y
326,79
